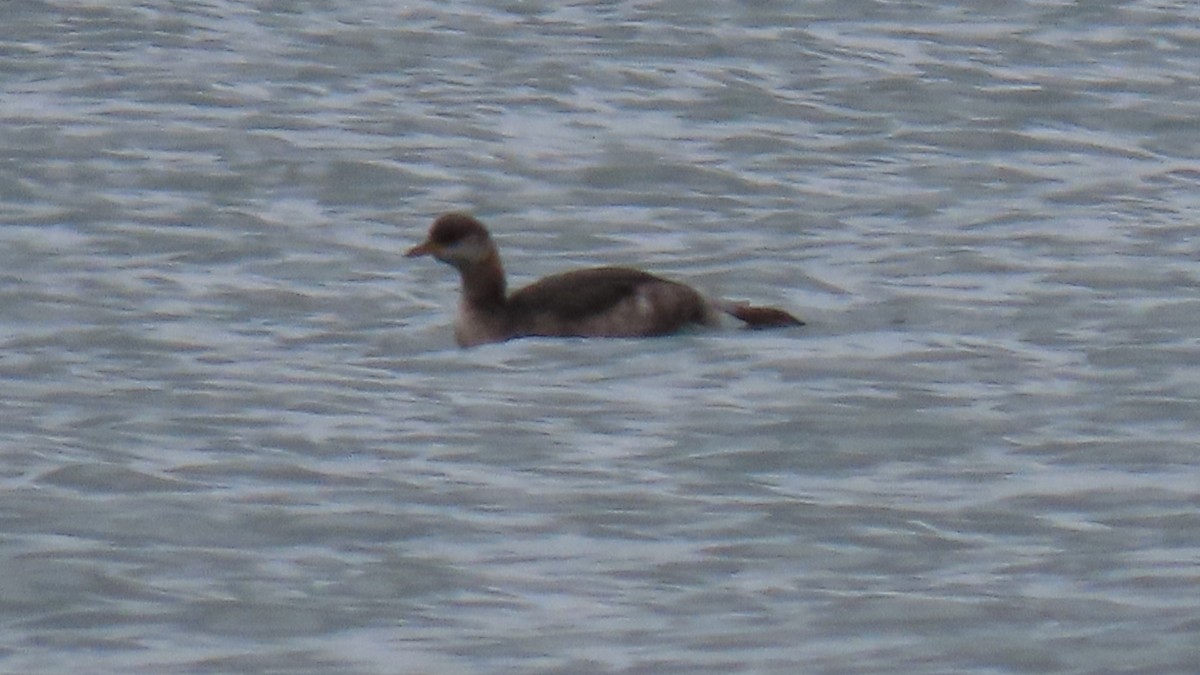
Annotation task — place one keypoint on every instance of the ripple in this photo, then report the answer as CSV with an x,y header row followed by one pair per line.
x,y
234,418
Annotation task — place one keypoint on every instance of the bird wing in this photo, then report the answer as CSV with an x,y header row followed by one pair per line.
x,y
577,295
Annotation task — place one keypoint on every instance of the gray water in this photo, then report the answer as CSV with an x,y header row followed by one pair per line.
x,y
237,437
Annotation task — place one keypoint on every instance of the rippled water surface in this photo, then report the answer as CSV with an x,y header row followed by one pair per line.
x,y
236,435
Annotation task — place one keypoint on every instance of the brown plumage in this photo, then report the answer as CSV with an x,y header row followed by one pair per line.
x,y
597,302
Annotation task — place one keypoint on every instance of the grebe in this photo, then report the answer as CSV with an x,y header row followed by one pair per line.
x,y
598,302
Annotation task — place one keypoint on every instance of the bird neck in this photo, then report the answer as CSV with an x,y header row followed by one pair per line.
x,y
483,282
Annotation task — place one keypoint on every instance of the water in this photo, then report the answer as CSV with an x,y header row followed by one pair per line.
x,y
237,436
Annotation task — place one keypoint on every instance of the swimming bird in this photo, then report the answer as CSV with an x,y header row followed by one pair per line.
x,y
596,302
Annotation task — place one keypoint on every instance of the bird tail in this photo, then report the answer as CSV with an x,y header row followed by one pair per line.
x,y
757,318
